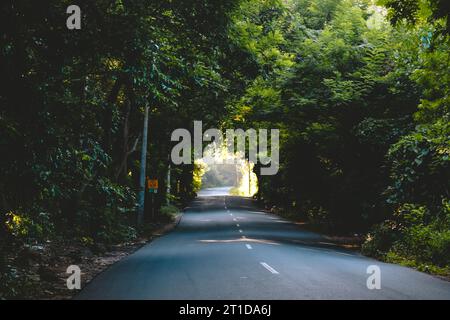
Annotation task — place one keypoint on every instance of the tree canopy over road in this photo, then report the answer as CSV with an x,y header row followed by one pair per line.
x,y
359,89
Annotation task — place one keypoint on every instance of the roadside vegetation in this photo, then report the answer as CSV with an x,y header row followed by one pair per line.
x,y
359,89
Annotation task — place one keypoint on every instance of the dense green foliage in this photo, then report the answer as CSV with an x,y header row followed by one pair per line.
x,y
363,108
72,106
360,92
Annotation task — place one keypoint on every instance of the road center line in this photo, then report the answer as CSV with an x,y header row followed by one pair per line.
x,y
265,265
249,247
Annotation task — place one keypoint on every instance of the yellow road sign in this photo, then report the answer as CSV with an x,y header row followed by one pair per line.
x,y
152,183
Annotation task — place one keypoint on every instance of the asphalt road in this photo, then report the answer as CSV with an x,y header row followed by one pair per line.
x,y
223,248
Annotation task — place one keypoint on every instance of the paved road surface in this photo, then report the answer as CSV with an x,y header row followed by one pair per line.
x,y
223,248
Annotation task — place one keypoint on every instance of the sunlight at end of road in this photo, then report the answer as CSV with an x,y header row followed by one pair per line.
x,y
241,240
214,192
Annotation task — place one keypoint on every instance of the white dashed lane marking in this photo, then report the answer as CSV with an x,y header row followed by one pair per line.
x,y
272,270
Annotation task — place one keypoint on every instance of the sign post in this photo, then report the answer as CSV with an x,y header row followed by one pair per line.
x,y
152,186
141,196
